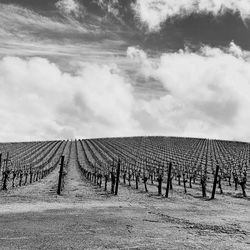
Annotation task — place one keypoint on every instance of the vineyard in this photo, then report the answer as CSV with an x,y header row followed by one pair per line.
x,y
165,164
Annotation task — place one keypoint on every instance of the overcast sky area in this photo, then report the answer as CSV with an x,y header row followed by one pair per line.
x,y
101,68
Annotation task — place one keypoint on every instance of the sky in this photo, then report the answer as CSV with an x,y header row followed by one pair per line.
x,y
112,68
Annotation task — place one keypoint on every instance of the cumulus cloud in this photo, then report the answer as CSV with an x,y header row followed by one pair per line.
x,y
69,7
136,54
154,12
38,101
110,6
208,93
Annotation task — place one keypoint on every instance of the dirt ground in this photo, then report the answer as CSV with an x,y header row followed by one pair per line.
x,y
85,217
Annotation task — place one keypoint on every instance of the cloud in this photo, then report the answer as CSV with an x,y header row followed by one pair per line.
x,y
19,17
24,32
110,6
22,23
154,12
136,54
18,24
207,93
38,101
69,7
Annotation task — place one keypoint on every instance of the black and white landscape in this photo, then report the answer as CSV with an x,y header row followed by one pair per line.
x,y
125,124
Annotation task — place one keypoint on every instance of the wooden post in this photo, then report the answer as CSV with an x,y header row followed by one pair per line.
x,y
117,177
6,172
112,182
31,174
243,184
106,181
169,179
184,183
137,176
5,179
190,181
203,185
159,184
145,179
99,179
20,178
215,181
179,179
0,162
124,177
6,161
60,176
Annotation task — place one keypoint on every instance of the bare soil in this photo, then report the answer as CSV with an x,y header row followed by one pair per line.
x,y
86,217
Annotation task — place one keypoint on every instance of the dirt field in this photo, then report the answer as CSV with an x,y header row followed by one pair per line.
x,y
85,217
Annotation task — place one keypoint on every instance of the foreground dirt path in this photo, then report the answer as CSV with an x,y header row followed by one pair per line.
x,y
76,187
85,217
